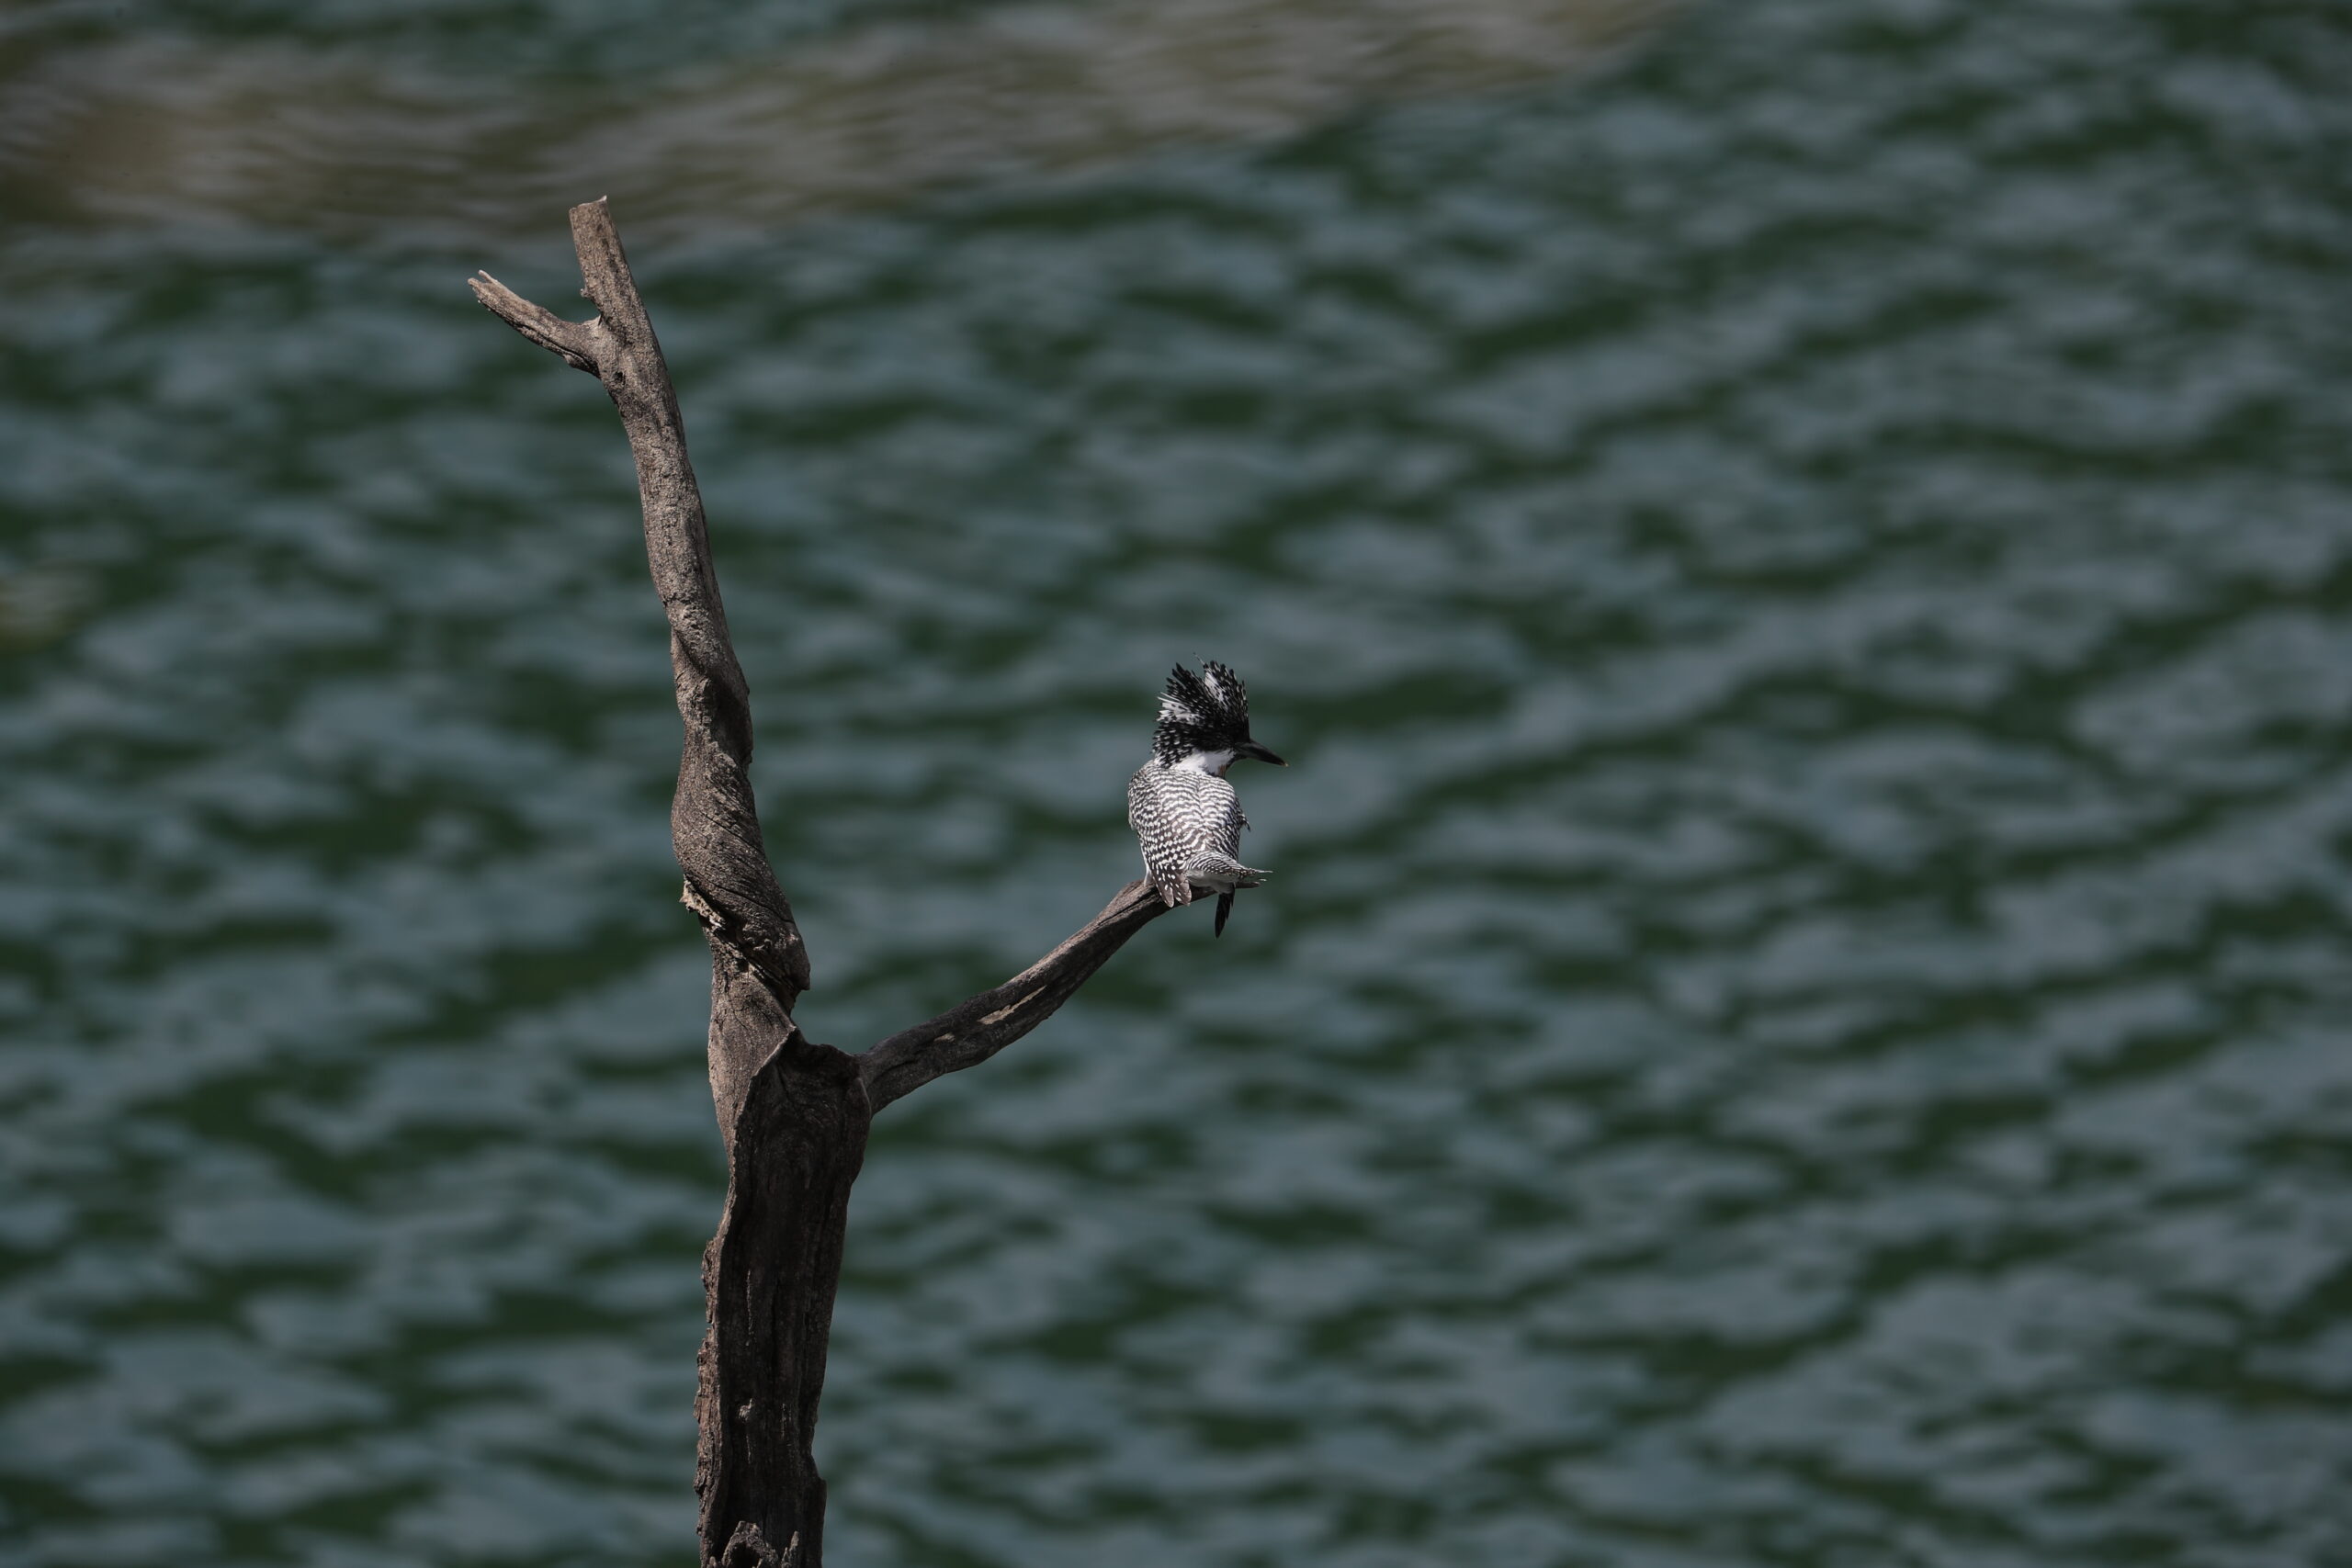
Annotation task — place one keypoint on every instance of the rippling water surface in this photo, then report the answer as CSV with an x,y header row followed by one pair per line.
x,y
1806,575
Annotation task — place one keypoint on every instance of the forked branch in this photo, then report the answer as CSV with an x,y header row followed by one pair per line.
x,y
794,1113
760,966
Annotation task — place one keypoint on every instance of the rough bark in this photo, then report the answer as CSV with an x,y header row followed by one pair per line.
x,y
794,1113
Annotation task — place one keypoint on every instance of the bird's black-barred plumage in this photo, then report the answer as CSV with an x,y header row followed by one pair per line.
x,y
1185,814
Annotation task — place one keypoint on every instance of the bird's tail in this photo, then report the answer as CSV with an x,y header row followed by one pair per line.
x,y
1215,870
1224,908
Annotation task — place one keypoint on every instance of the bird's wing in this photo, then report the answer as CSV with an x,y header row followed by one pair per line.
x,y
1163,856
1224,818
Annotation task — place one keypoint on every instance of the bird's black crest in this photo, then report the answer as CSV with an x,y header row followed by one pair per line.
x,y
1208,712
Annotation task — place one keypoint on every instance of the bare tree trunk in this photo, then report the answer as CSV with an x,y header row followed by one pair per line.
x,y
793,1112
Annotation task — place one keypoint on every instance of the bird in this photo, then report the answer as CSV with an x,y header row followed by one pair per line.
x,y
1185,814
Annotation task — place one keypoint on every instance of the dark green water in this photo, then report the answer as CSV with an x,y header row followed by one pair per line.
x,y
1802,1016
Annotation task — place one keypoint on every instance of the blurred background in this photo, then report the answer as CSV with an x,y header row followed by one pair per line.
x,y
1801,549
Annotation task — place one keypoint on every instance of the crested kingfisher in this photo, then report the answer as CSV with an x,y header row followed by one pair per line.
x,y
1184,814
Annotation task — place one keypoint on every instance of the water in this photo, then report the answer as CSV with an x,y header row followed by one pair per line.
x,y
1806,579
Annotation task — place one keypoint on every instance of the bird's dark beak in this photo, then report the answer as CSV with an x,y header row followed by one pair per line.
x,y
1251,748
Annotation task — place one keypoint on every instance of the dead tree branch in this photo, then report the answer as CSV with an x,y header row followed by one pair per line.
x,y
759,967
794,1113
971,1032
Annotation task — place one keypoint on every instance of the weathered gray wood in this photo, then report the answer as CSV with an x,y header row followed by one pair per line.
x,y
972,1031
760,966
794,1113
769,1279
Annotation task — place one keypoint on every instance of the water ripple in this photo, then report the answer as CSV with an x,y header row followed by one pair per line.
x,y
1799,1019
